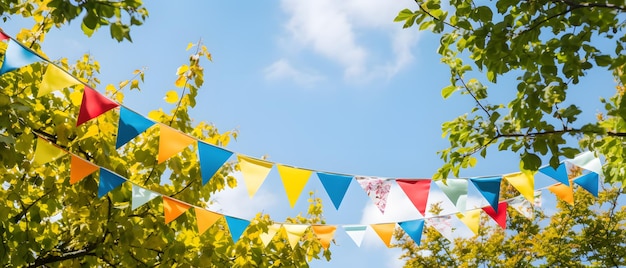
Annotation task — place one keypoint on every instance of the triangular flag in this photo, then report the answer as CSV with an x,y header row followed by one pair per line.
x,y
523,206
335,185
295,233
294,180
173,208
325,233
141,196
79,169
356,232
205,219
563,192
46,152
523,183
211,159
93,105
455,190
414,229
54,79
3,36
490,189
236,226
254,172
267,237
377,189
108,182
384,231
417,191
16,56
589,182
443,224
559,174
500,215
130,125
171,142
471,218
588,161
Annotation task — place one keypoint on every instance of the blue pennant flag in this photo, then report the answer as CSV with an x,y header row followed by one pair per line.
x,y
108,182
211,159
16,56
335,185
130,125
589,182
236,227
559,174
414,229
490,189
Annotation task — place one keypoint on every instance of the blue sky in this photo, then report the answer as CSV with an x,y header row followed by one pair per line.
x,y
324,85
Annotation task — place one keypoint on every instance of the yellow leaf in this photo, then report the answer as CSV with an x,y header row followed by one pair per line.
x,y
119,97
91,131
155,115
171,96
134,84
136,71
182,69
123,83
189,46
76,97
110,88
180,82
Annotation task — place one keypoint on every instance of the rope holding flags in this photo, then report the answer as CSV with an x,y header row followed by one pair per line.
x,y
471,197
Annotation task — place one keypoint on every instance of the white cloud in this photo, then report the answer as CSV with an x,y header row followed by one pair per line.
x,y
336,31
282,69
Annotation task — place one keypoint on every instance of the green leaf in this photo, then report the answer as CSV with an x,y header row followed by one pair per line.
x,y
447,91
530,161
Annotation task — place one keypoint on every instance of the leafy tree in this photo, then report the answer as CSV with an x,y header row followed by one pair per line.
x,y
549,47
46,221
591,232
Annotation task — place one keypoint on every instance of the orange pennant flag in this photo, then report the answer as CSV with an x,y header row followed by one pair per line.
x,y
563,192
471,218
205,219
384,231
254,172
171,142
294,180
325,233
524,183
79,169
173,208
46,152
54,79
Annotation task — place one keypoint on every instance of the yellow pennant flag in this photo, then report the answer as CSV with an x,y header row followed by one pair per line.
x,y
267,237
54,79
294,180
563,192
384,231
173,208
46,152
525,184
294,233
205,219
79,169
254,172
471,218
171,142
325,233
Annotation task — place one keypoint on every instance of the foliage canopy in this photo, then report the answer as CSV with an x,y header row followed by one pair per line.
x,y
45,221
549,47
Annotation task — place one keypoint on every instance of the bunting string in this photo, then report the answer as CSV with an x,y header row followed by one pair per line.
x,y
470,196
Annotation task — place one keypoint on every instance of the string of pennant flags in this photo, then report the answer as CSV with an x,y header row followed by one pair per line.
x,y
470,196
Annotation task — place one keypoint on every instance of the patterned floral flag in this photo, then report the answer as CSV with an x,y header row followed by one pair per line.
x,y
377,189
443,224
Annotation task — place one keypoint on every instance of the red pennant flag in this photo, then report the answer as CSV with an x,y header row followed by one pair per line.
x,y
3,36
500,216
417,191
93,105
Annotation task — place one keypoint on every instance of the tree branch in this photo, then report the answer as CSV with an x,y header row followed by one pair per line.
x,y
435,18
597,4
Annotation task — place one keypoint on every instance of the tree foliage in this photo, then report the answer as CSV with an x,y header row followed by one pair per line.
x,y
592,232
45,221
549,47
